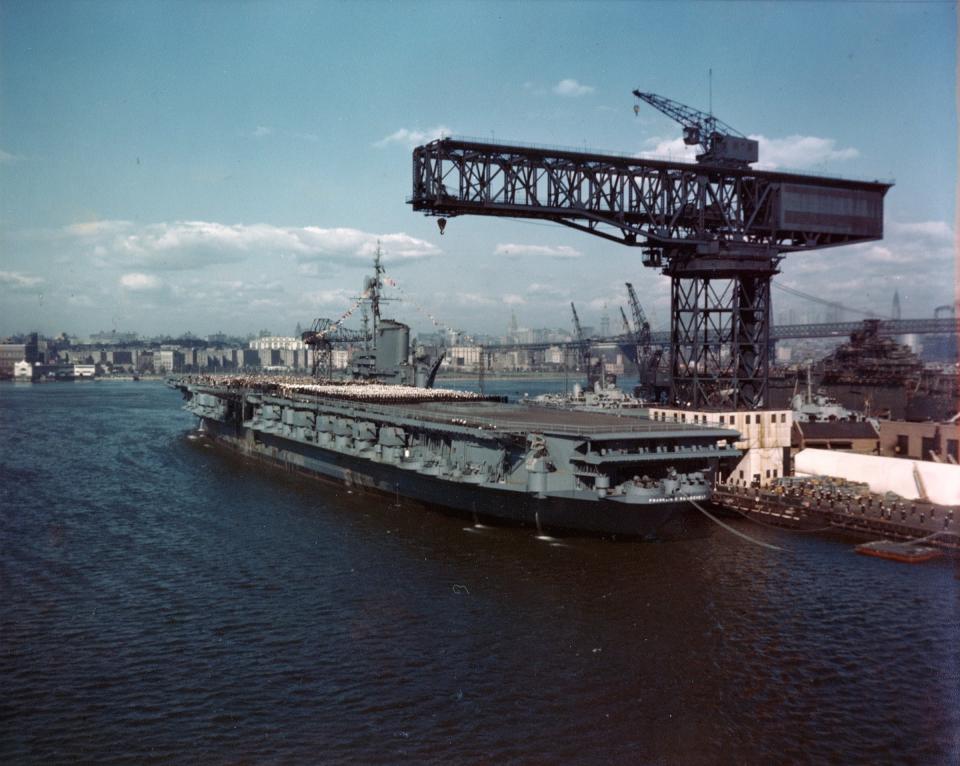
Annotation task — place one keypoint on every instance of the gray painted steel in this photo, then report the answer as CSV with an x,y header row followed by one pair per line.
x,y
555,469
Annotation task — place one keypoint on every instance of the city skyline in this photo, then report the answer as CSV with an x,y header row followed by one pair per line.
x,y
168,168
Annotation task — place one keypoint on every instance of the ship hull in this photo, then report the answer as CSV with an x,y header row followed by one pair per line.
x,y
488,501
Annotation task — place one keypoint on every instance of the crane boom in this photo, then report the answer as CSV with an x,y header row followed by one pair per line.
x,y
642,332
577,329
648,358
719,143
626,323
583,345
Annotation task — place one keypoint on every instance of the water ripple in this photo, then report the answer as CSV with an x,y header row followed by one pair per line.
x,y
162,602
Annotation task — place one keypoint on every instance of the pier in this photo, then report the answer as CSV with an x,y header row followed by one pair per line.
x,y
823,506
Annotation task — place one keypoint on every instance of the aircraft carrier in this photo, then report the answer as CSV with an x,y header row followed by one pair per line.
x,y
550,468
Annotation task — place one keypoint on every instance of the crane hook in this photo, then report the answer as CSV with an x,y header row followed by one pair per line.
x,y
442,224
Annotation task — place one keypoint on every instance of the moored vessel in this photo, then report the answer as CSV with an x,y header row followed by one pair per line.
x,y
551,468
589,469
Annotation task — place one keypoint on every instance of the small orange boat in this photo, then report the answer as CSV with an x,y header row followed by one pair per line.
x,y
907,553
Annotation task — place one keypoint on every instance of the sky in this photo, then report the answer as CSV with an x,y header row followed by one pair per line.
x,y
226,166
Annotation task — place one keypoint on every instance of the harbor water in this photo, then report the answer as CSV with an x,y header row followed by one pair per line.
x,y
164,601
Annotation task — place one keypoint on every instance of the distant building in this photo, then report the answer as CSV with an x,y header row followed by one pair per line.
x,y
554,355
467,357
920,441
171,360
114,338
120,356
859,436
277,342
11,353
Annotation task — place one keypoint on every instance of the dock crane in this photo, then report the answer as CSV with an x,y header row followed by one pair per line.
x,y
626,323
322,336
594,372
719,143
583,345
648,357
717,228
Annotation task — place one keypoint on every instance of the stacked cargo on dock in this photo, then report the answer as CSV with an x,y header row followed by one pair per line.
x,y
910,479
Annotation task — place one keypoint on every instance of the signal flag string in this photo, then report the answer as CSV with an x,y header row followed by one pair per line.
x,y
436,322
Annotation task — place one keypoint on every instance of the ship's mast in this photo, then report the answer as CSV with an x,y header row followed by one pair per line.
x,y
375,286
371,292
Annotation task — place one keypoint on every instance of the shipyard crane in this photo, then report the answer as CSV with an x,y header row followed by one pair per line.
x,y
719,143
648,357
626,323
595,370
322,336
718,228
639,318
583,345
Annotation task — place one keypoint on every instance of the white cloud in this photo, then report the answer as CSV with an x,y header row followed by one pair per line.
x,y
18,281
412,138
512,299
353,244
473,299
916,258
137,281
261,131
571,88
81,301
549,291
800,151
608,304
922,246
337,297
797,152
7,158
669,148
932,231
97,228
547,251
193,244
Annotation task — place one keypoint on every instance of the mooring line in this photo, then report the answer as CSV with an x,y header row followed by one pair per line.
x,y
730,529
777,526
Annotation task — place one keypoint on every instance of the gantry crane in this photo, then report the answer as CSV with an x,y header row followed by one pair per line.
x,y
648,356
718,228
322,336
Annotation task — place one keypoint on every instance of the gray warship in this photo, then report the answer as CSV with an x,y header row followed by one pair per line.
x,y
556,469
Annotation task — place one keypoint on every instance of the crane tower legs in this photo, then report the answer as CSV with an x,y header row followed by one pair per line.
x,y
720,332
